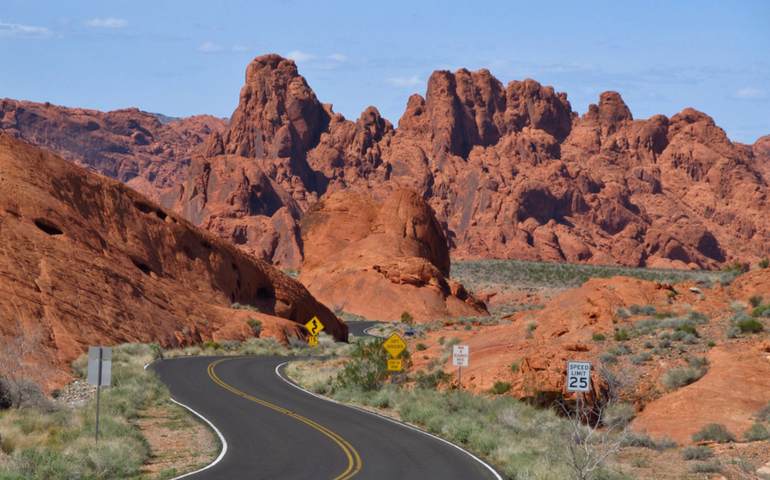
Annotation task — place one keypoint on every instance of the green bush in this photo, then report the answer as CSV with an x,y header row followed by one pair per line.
x,y
431,381
761,311
608,358
756,433
515,367
764,263
407,318
500,387
700,452
598,337
750,325
621,335
421,346
645,441
367,368
763,415
714,432
755,301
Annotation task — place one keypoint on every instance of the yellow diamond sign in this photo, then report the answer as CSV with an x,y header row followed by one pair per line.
x,y
394,345
314,326
395,365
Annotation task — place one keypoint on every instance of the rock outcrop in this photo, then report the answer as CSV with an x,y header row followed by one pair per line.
x,y
84,260
510,170
380,259
148,152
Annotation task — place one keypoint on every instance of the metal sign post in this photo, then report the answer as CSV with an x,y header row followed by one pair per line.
x,y
99,374
460,355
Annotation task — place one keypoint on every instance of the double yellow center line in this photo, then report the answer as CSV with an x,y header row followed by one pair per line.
x,y
354,459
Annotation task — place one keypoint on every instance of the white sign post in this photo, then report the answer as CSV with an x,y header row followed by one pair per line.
x,y
578,377
460,355
99,374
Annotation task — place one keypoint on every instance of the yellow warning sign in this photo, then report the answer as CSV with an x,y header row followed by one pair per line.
x,y
394,345
314,326
395,365
312,340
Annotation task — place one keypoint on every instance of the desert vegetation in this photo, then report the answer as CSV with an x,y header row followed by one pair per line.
x,y
508,274
49,440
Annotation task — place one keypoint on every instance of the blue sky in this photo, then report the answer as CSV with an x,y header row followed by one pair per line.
x,y
186,57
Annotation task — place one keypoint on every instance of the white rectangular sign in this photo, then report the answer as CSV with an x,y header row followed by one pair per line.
x,y
460,355
578,376
100,376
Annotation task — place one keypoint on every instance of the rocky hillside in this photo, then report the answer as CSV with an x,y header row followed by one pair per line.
x,y
148,152
84,260
510,170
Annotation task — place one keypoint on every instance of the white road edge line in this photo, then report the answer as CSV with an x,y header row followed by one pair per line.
x,y
222,440
216,430
383,417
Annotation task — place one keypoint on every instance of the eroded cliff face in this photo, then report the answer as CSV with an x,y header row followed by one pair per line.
x,y
510,170
84,260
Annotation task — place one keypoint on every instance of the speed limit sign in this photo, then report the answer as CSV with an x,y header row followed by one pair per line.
x,y
578,376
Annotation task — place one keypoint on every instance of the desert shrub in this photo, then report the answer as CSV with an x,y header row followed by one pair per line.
x,y
679,377
255,325
757,432
761,310
431,381
608,358
622,313
515,367
645,441
700,452
697,317
367,368
421,347
649,345
641,358
706,467
500,388
211,345
407,318
618,414
620,350
598,337
6,400
642,310
714,432
755,301
621,335
764,263
750,325
763,415
242,306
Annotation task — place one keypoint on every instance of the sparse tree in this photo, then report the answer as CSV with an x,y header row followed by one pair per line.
x,y
591,441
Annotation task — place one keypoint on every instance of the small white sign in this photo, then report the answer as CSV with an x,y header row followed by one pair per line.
x,y
578,376
460,355
100,366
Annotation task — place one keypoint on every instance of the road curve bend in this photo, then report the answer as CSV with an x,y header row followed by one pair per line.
x,y
276,431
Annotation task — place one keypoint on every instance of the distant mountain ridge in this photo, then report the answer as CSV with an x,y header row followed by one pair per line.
x,y
510,170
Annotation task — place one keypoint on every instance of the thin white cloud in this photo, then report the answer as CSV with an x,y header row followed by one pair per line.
x,y
751,93
338,57
210,47
300,56
403,82
106,22
17,30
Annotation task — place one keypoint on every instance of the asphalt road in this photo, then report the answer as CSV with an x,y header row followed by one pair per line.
x,y
276,431
358,327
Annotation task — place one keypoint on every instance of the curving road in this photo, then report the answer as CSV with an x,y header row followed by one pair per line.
x,y
274,430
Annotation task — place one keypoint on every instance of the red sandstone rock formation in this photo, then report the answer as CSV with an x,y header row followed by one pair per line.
x,y
85,260
379,260
510,170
